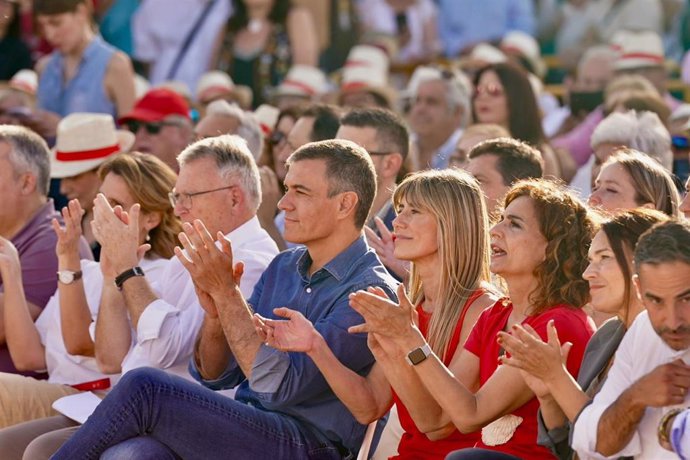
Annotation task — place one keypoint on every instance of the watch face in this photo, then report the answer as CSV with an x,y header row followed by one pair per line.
x,y
66,277
416,356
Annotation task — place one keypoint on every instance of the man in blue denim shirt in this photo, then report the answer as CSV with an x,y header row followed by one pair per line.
x,y
283,407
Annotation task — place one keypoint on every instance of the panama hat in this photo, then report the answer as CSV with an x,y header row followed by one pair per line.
x,y
267,116
638,49
217,84
84,141
302,80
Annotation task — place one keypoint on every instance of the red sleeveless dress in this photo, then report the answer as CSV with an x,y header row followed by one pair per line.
x,y
414,444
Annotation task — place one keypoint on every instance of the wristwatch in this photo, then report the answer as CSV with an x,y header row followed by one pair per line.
x,y
418,355
127,274
68,276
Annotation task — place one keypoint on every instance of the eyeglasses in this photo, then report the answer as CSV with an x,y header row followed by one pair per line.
x,y
185,199
152,128
489,90
276,138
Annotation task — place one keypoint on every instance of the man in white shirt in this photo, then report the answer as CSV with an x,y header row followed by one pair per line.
x,y
650,375
219,185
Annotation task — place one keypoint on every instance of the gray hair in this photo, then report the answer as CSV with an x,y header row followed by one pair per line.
x,y
641,131
28,152
233,158
596,53
666,242
458,90
248,129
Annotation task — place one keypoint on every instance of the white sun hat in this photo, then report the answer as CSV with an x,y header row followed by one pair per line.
x,y
84,141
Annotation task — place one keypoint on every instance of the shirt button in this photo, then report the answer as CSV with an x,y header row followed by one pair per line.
x,y
308,290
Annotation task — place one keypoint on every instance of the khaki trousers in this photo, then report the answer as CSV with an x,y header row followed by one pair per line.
x,y
37,439
25,398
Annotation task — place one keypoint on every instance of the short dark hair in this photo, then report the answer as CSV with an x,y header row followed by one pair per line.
x,y
391,131
348,169
52,7
516,159
665,242
326,121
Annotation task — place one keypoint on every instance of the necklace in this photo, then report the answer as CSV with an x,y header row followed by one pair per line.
x,y
255,26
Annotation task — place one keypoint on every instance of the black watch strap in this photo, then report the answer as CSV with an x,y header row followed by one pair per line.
x,y
127,274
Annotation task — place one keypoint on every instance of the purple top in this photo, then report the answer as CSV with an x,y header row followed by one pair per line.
x,y
35,244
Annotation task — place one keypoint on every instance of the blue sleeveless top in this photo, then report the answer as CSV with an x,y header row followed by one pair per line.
x,y
85,92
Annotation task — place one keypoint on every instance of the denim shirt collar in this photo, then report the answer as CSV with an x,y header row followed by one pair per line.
x,y
338,267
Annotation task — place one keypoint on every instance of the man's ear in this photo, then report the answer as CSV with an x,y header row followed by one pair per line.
x,y
638,289
28,183
392,164
347,204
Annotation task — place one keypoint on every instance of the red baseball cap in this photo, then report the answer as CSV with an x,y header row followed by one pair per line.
x,y
157,105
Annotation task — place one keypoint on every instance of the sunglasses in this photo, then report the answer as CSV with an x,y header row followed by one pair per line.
x,y
151,128
276,138
489,90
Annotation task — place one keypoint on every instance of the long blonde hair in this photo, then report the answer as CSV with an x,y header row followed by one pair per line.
x,y
454,198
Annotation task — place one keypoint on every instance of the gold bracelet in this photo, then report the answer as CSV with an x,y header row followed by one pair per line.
x,y
662,430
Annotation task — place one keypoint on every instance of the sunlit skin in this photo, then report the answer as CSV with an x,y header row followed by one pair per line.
x,y
416,234
310,215
517,245
605,277
685,204
484,169
602,152
65,31
664,289
430,111
211,208
117,193
614,190
299,135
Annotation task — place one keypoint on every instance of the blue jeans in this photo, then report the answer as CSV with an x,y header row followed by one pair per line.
x,y
191,422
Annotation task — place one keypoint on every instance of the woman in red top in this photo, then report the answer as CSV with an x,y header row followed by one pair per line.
x,y
539,248
442,228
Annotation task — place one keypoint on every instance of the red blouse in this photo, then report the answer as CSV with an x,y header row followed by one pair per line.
x,y
414,443
573,326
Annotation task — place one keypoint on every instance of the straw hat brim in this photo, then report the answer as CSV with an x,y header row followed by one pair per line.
x,y
61,169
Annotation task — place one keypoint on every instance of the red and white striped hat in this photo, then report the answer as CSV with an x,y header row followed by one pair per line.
x,y
303,80
84,141
637,49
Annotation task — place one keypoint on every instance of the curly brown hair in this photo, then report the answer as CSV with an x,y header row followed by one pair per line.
x,y
569,227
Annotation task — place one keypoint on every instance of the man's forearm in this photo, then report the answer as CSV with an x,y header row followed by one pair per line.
x,y
211,351
618,423
236,318
138,295
113,332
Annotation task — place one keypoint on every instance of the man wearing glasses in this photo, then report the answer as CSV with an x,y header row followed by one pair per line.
x,y
161,123
218,185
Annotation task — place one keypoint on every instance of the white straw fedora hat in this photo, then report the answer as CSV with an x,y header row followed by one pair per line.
x,y
84,141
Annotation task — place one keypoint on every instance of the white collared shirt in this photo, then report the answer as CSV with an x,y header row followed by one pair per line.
x,y
640,352
72,369
168,327
441,157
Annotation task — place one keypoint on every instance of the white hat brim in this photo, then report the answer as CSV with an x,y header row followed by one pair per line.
x,y
61,169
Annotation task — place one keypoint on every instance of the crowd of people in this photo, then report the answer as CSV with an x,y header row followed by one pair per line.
x,y
338,229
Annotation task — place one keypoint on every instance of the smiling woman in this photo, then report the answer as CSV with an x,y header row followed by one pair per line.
x,y
441,228
630,179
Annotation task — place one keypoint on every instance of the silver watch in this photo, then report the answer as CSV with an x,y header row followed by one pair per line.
x,y
68,276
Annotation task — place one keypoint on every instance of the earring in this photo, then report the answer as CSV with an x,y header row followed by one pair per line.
x,y
148,237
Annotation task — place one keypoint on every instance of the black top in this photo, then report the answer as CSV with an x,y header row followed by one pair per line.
x,y
14,56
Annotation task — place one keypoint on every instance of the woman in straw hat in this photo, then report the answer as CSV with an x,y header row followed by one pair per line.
x,y
60,339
